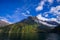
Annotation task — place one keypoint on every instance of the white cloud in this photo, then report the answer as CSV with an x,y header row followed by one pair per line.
x,y
42,3
8,16
40,6
46,14
5,20
54,11
47,24
16,16
52,19
50,1
28,12
58,0
24,14
40,17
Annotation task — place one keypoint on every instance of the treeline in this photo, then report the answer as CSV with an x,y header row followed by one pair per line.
x,y
21,31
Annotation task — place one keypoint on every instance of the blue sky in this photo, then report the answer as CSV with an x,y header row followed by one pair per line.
x,y
16,10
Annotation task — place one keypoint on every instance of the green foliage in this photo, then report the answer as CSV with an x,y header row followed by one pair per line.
x,y
23,31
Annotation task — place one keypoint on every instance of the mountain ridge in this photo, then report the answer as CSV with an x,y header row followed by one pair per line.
x,y
25,29
3,23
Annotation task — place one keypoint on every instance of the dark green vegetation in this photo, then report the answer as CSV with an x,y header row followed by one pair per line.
x,y
27,29
24,30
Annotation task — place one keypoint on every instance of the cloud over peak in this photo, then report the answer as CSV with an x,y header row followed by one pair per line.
x,y
55,11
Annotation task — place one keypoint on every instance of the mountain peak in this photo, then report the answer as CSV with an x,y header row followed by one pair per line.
x,y
30,17
3,23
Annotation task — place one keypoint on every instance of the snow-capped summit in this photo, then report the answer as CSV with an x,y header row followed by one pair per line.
x,y
51,22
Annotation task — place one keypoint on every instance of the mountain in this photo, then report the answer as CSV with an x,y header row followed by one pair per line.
x,y
56,29
52,22
26,29
3,23
30,22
